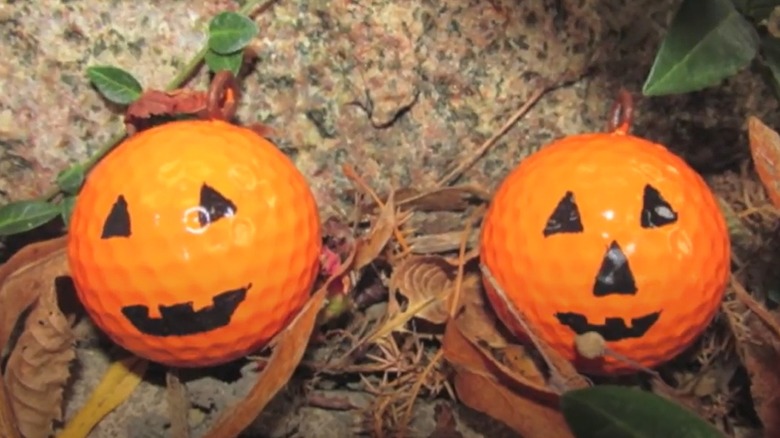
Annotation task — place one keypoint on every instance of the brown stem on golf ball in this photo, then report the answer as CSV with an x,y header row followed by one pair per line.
x,y
223,95
622,113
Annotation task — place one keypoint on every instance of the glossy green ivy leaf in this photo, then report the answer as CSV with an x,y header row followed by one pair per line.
x,y
70,179
66,209
707,42
608,411
217,62
20,216
230,32
115,84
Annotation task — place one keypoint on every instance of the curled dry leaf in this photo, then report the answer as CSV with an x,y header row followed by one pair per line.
x,y
39,366
420,278
507,361
760,354
21,281
765,149
288,349
219,102
23,277
563,374
479,387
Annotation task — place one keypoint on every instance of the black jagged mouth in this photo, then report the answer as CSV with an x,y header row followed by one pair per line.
x,y
614,329
182,319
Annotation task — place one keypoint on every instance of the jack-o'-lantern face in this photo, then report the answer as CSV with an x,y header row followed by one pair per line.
x,y
609,234
194,243
179,319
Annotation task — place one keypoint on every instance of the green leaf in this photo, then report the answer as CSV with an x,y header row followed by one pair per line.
x,y
707,42
20,216
608,411
115,84
770,51
230,32
217,62
70,179
66,209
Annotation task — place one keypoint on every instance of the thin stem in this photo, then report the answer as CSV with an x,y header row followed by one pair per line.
x,y
181,77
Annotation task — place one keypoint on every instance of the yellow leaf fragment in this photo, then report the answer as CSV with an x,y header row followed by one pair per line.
x,y
119,381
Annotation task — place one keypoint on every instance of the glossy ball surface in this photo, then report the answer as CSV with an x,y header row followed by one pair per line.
x,y
194,242
611,233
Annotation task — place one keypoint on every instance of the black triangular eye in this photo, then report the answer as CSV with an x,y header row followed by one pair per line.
x,y
215,206
565,218
117,223
656,212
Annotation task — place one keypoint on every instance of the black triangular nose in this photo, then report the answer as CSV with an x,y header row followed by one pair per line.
x,y
615,275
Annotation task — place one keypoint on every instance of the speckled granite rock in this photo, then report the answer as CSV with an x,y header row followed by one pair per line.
x,y
401,90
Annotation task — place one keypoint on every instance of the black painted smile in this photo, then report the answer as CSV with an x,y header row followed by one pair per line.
x,y
182,319
614,329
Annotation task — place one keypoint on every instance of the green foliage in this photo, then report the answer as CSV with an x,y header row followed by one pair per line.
x,y
20,216
709,41
608,411
228,35
66,209
115,84
71,179
231,62
706,43
230,32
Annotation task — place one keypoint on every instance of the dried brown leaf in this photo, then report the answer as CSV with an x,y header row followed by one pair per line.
x,y
765,149
420,278
288,349
24,276
477,322
178,405
510,362
21,281
478,387
440,242
760,354
563,374
456,198
39,366
370,247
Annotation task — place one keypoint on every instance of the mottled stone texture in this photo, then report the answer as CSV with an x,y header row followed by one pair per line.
x,y
399,89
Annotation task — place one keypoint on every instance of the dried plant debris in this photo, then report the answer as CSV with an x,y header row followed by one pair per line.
x,y
39,366
757,335
428,282
765,149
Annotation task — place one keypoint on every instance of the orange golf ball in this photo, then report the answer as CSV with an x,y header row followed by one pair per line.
x,y
193,243
607,233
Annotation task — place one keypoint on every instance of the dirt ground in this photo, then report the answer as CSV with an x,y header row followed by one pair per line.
x,y
402,91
